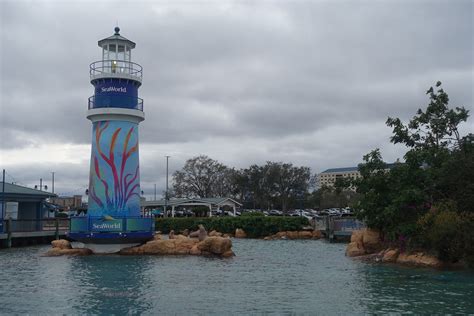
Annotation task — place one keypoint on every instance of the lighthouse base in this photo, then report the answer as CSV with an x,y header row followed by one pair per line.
x,y
103,248
108,242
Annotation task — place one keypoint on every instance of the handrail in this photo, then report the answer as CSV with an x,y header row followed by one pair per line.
x,y
134,103
115,67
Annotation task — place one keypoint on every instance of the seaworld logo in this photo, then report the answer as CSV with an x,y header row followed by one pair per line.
x,y
115,89
116,225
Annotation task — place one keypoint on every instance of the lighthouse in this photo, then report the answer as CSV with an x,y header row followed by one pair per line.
x,y
113,219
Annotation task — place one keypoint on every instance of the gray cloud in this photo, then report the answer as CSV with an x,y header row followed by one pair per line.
x,y
306,82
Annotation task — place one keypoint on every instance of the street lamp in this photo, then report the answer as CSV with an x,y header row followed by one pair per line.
x,y
41,186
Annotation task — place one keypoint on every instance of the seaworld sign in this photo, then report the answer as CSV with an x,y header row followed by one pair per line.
x,y
107,225
114,89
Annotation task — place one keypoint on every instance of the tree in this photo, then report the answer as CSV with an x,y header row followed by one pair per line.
x,y
201,177
393,201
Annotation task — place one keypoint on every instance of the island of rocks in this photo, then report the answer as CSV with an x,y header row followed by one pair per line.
x,y
366,244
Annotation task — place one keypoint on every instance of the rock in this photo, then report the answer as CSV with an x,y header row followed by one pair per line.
x,y
355,249
195,251
215,245
54,252
280,234
215,233
357,236
390,255
240,233
227,235
317,234
180,237
171,234
181,245
305,235
157,237
186,232
419,259
292,235
228,254
61,244
371,240
268,238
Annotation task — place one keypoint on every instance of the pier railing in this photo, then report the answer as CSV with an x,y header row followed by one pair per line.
x,y
35,225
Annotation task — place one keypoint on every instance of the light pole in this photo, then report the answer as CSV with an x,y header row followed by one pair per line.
x,y
41,186
53,182
166,192
155,192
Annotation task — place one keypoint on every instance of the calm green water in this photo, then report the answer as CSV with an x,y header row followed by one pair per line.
x,y
274,277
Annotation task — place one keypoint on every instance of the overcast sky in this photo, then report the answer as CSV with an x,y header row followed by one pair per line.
x,y
306,82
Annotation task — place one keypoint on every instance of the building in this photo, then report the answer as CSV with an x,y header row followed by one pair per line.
x,y
22,204
328,177
68,202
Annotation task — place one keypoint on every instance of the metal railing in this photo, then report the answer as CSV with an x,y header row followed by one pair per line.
x,y
116,68
124,102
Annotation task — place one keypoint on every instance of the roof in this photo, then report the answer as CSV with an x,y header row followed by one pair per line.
x,y
184,201
116,38
351,169
17,190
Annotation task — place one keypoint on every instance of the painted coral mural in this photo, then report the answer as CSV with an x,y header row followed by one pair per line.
x,y
114,184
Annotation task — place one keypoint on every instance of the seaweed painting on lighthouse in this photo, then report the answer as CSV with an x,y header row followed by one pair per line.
x,y
114,184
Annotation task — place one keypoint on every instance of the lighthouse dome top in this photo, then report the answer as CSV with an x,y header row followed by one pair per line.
x,y
116,39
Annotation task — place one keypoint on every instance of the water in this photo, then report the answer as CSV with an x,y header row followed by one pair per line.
x,y
280,277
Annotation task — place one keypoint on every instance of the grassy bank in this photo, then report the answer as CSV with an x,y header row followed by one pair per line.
x,y
254,226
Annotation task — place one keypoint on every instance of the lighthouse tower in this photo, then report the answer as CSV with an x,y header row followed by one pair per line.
x,y
113,218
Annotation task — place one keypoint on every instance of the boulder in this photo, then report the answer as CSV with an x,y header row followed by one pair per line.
x,y
228,254
227,235
195,251
292,234
183,246
268,238
240,233
215,245
280,235
171,234
54,252
355,249
215,233
157,237
317,234
186,232
305,235
356,236
390,255
61,244
371,240
419,259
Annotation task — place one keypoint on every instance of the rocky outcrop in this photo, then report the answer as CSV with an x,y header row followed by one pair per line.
x,y
240,233
304,234
419,259
366,244
183,246
63,247
366,241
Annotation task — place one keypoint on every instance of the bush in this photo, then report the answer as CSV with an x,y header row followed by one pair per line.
x,y
449,233
254,226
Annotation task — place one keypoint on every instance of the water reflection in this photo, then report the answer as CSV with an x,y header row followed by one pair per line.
x,y
110,284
